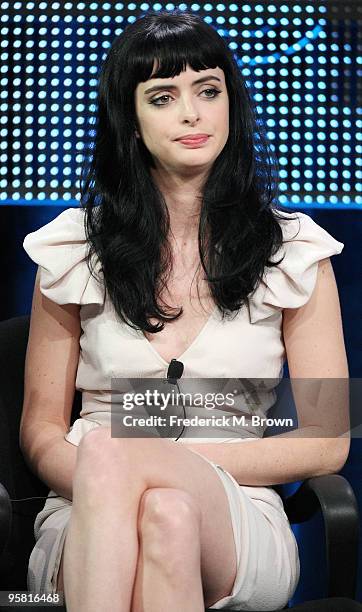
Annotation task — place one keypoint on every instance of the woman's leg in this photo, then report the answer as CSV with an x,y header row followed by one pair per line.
x,y
177,583
169,569
171,579
100,543
102,548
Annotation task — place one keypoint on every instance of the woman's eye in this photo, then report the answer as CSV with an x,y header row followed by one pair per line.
x,y
212,89
157,99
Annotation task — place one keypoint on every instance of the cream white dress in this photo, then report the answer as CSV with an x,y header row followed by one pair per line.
x,y
249,346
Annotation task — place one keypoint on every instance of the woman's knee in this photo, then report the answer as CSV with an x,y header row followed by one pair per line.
x,y
103,463
169,525
97,441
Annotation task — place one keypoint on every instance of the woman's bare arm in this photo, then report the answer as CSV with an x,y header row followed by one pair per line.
x,y
49,386
313,337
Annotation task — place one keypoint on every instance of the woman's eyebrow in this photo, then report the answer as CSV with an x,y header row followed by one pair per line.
x,y
171,86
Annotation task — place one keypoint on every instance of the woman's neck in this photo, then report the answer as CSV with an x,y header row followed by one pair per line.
x,y
183,200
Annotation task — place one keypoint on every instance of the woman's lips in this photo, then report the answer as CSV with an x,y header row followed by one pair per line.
x,y
194,141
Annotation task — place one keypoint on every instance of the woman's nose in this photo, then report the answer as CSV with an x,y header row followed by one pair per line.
x,y
189,111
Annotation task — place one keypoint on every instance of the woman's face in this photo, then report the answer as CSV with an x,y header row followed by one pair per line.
x,y
180,106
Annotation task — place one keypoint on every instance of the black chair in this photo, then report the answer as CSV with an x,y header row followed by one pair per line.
x,y
331,494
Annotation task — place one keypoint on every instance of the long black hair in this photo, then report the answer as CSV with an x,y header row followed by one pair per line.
x,y
126,218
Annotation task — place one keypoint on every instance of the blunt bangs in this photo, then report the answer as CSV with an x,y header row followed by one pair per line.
x,y
174,46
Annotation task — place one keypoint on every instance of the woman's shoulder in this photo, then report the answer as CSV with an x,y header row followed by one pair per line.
x,y
60,248
65,228
290,283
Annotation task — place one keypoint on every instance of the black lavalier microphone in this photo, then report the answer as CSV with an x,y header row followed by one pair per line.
x,y
174,372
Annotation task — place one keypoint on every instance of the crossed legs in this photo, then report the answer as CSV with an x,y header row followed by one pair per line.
x,y
150,529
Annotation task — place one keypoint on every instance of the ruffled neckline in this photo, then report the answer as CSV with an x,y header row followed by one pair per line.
x,y
60,249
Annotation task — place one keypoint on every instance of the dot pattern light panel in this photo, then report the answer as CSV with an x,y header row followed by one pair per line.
x,y
301,60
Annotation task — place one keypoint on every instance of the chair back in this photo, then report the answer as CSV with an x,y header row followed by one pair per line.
x,y
15,474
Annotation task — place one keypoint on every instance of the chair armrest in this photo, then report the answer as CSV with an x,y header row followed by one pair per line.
x,y
5,517
334,496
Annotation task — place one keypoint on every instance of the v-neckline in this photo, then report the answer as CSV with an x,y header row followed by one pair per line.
x,y
191,346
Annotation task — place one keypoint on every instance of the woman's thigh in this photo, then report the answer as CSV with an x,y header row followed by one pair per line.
x,y
162,463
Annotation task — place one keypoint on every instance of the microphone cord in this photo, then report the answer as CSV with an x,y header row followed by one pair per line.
x,y
184,411
36,497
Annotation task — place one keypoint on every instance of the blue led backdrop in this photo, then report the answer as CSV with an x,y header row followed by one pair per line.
x,y
302,61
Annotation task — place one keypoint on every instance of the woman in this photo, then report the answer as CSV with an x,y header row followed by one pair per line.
x,y
178,251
